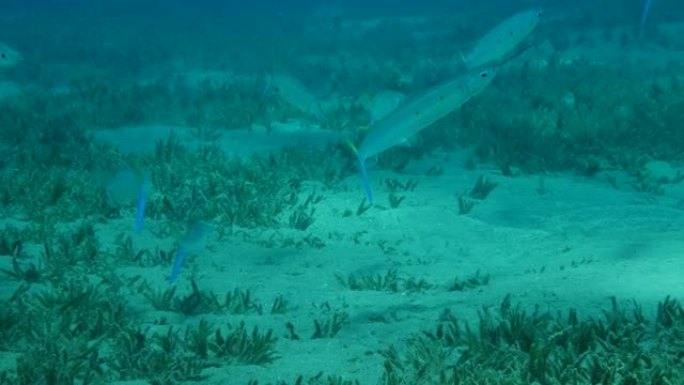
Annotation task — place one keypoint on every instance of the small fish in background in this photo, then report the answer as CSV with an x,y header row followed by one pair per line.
x,y
193,242
294,93
415,114
644,16
126,187
497,45
9,57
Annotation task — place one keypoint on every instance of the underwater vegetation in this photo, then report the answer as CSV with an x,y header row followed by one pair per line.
x,y
69,317
516,345
67,328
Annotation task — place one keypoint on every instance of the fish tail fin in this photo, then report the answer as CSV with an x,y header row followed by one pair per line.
x,y
364,179
175,272
364,173
140,211
644,16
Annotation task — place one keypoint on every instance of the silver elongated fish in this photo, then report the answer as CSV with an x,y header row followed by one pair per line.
x,y
417,113
499,43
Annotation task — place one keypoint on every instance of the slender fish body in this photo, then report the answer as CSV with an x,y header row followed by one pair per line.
x,y
417,113
499,43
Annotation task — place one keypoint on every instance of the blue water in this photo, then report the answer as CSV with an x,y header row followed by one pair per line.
x,y
545,213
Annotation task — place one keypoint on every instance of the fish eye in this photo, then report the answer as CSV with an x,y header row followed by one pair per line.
x,y
483,74
4,56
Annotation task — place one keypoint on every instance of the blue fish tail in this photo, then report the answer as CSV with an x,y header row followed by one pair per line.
x,y
175,272
645,12
364,179
140,211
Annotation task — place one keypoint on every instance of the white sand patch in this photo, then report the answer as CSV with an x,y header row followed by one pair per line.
x,y
573,245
